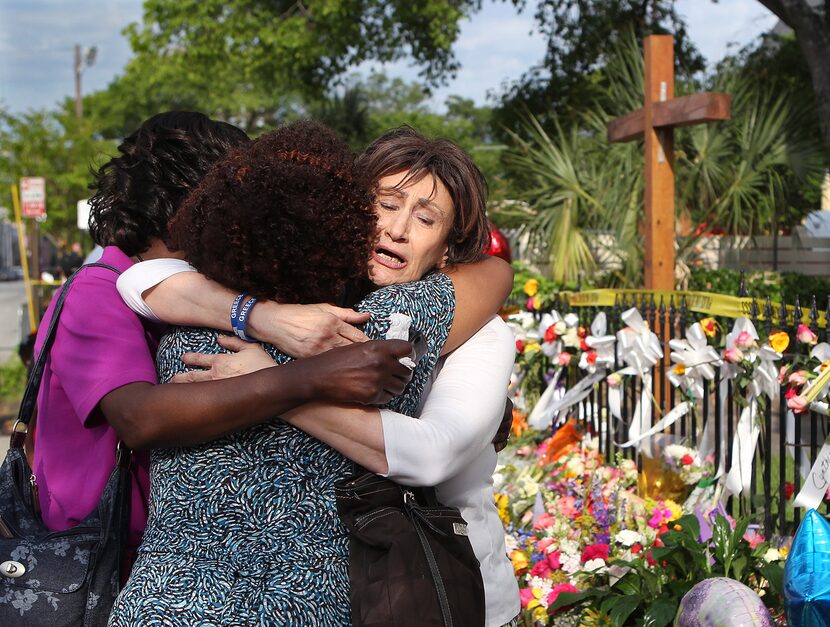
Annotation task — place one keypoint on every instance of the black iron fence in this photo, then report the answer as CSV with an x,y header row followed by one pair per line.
x,y
780,457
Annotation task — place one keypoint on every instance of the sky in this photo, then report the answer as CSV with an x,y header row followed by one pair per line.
x,y
496,45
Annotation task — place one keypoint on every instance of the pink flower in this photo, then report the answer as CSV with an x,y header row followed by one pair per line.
x,y
544,521
526,596
798,404
564,359
567,507
733,355
805,335
753,538
782,374
798,378
530,304
559,588
660,517
595,551
744,340
546,566
543,544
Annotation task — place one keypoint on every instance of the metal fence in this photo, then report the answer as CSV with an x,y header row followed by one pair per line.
x,y
779,455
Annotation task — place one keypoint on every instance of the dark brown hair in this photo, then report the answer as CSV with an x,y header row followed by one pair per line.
x,y
287,217
406,150
138,192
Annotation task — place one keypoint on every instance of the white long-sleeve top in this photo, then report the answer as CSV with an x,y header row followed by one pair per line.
x,y
449,446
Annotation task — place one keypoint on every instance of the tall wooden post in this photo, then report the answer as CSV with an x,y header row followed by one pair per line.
x,y
659,166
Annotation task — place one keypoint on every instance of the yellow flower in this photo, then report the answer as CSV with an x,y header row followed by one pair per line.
x,y
532,347
537,302
709,326
676,510
779,341
519,560
531,287
680,369
824,365
501,505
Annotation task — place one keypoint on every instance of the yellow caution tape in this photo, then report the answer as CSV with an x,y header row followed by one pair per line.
x,y
699,302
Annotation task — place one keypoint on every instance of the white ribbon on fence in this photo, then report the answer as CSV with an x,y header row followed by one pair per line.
x,y
815,486
764,381
677,412
552,404
698,361
639,348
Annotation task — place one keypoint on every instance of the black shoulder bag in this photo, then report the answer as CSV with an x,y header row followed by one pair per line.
x,y
411,563
56,578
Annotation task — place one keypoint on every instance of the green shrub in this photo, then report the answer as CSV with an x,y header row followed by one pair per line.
x,y
12,380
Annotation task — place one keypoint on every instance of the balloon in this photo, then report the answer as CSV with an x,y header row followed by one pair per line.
x,y
722,602
807,574
498,246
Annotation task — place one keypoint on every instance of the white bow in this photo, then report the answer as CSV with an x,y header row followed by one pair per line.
x,y
640,349
697,360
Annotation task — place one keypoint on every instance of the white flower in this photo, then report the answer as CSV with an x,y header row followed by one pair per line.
x,y
772,555
510,542
572,564
560,327
595,565
628,537
677,451
569,547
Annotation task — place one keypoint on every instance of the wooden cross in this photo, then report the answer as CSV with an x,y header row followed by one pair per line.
x,y
662,113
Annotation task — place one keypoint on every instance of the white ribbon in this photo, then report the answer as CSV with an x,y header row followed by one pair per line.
x,y
743,450
542,414
698,360
815,487
639,348
764,381
665,422
553,401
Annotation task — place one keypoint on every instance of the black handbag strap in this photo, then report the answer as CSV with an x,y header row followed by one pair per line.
x,y
29,402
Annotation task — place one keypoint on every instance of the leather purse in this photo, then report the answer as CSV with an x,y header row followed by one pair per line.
x,y
411,563
57,578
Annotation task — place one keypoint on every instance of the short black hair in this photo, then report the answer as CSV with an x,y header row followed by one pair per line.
x,y
137,192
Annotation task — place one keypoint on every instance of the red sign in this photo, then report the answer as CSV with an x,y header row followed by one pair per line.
x,y
33,197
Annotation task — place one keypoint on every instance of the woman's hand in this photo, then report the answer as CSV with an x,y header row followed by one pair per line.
x,y
369,372
306,330
243,358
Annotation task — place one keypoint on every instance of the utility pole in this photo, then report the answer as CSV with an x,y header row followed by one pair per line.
x,y
81,62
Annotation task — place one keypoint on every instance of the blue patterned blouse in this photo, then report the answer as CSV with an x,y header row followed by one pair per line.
x,y
243,530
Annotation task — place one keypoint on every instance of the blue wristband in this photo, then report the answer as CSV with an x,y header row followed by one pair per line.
x,y
235,312
242,321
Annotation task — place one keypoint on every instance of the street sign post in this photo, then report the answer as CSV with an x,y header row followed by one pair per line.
x,y
33,197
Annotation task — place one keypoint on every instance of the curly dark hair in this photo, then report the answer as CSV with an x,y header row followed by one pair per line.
x,y
138,192
406,150
287,217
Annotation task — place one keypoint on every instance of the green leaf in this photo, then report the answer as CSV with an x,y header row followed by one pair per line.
x,y
774,573
566,599
623,608
661,612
